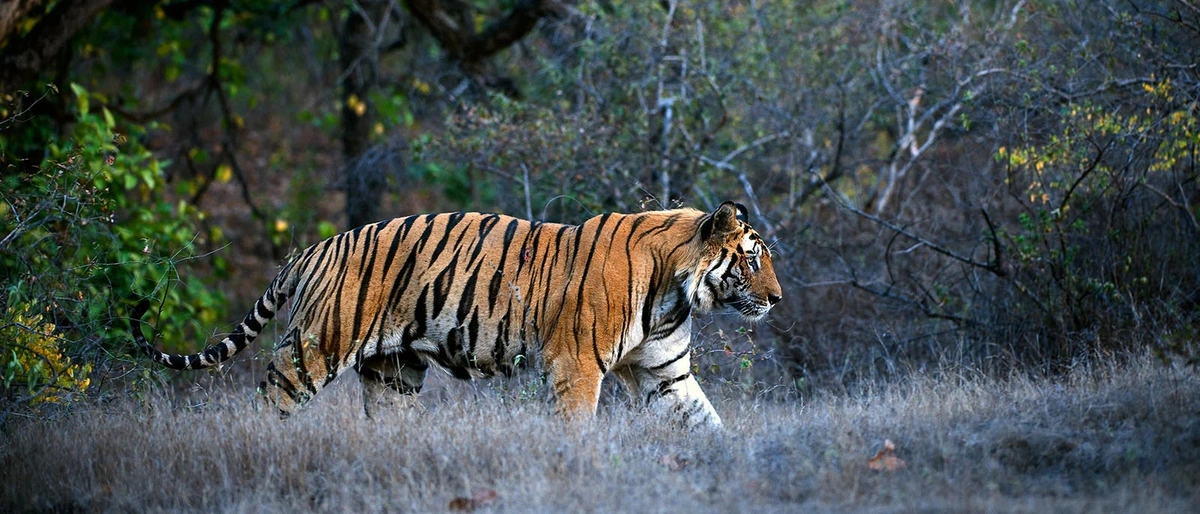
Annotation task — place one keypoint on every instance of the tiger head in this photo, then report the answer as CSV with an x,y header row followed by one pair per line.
x,y
734,271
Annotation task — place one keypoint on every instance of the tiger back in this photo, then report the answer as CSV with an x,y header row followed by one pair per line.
x,y
475,294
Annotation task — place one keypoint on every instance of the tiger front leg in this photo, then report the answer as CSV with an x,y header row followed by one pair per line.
x,y
576,385
659,373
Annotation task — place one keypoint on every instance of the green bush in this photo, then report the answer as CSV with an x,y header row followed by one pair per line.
x,y
83,234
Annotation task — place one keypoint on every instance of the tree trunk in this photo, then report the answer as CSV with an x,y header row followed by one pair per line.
x,y
22,58
359,62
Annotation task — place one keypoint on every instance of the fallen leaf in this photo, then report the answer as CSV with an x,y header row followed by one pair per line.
x,y
674,462
886,459
480,498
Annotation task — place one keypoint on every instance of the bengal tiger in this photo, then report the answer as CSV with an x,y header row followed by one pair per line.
x,y
475,293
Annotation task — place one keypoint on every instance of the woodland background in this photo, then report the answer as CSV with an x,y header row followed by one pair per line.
x,y
993,189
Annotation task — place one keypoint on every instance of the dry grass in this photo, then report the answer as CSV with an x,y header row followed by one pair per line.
x,y
1117,439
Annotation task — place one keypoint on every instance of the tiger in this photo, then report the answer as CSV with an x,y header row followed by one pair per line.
x,y
474,294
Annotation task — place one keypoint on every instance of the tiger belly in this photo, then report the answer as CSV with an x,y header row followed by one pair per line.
x,y
475,339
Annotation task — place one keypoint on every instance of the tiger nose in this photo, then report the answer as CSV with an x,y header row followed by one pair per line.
x,y
774,298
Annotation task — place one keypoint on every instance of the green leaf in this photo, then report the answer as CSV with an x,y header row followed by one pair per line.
x,y
326,229
81,98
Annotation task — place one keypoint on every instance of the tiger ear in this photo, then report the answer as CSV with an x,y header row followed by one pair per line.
x,y
722,221
742,213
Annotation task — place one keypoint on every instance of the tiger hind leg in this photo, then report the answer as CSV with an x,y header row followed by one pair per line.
x,y
296,373
391,382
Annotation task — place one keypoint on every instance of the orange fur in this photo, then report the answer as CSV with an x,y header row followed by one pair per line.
x,y
476,294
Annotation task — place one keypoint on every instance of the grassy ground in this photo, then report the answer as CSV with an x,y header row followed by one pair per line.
x,y
1099,440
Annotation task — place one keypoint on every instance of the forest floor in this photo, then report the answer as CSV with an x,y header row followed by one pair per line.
x,y
1121,438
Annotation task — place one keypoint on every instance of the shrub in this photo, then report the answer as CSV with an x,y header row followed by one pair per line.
x,y
82,233
1104,249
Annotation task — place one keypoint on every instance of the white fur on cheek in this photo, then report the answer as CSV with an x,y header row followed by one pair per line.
x,y
699,295
706,295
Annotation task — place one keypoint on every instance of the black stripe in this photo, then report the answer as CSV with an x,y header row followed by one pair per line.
x,y
582,286
531,243
421,241
664,387
730,268
276,378
499,345
406,225
403,277
494,284
251,324
260,308
467,297
648,307
453,357
364,284
442,285
316,260
315,263
238,338
485,227
596,349
419,313
672,361
473,332
673,320
663,226
378,319
451,222
300,365
575,246
548,266
335,317
627,307
394,248
678,247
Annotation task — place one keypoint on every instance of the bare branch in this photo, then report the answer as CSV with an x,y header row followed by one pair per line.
x,y
846,204
449,22
744,148
1183,206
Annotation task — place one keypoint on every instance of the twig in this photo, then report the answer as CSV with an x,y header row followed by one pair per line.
x,y
14,118
528,198
845,204
1187,211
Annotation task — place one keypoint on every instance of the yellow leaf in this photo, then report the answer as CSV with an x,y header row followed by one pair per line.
x,y
356,105
421,86
224,173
